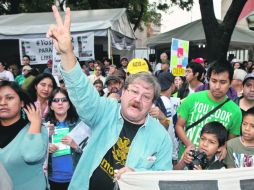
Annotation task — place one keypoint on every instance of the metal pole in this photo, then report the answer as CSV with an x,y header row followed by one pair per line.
x,y
109,44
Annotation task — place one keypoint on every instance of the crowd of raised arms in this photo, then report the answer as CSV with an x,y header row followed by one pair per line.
x,y
98,120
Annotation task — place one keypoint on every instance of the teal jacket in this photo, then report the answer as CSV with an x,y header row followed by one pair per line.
x,y
151,148
23,158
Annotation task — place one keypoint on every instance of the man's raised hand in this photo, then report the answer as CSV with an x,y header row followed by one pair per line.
x,y
60,33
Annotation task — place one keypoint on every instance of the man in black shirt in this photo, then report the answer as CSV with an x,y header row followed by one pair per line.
x,y
124,136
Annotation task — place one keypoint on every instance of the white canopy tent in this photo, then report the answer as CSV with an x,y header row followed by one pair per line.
x,y
241,40
110,23
194,32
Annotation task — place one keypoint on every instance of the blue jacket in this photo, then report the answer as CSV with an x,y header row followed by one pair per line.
x,y
104,118
23,158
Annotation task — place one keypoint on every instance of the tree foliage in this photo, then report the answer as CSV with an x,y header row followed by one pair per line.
x,y
138,11
24,6
217,34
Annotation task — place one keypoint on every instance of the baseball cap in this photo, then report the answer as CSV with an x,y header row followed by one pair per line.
x,y
112,77
137,65
199,60
247,77
165,80
123,58
50,61
27,67
239,74
235,60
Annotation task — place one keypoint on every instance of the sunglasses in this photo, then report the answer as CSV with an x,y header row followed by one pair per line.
x,y
60,100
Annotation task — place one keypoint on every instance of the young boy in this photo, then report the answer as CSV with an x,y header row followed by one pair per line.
x,y
240,150
212,138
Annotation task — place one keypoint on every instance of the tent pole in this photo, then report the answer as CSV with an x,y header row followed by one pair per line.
x,y
109,44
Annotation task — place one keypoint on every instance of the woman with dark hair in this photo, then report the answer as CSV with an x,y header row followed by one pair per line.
x,y
98,84
67,126
178,81
40,90
23,142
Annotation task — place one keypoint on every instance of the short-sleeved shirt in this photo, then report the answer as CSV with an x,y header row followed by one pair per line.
x,y
238,155
197,105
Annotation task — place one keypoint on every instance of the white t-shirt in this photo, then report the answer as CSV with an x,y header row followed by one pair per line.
x,y
171,104
157,67
6,75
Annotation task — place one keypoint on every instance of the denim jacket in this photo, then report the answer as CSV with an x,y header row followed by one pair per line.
x,y
151,148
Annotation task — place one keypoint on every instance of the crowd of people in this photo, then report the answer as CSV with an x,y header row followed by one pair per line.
x,y
97,121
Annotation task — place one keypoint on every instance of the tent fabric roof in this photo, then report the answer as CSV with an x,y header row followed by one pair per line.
x,y
194,32
87,20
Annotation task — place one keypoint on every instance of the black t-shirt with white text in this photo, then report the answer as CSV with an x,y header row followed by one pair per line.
x,y
115,158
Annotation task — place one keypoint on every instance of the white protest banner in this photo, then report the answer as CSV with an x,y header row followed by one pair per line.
x,y
179,56
56,62
84,46
224,179
80,132
39,49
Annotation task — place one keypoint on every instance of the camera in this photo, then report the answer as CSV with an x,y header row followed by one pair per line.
x,y
200,158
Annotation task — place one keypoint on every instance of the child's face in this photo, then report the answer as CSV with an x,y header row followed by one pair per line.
x,y
209,144
248,129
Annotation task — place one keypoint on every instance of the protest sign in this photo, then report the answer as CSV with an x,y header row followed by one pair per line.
x,y
56,139
56,62
179,56
83,45
39,50
80,132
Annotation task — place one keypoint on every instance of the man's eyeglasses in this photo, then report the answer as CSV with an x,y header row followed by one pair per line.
x,y
60,100
135,93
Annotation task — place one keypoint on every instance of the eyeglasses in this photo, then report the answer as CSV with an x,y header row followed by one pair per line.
x,y
60,100
135,93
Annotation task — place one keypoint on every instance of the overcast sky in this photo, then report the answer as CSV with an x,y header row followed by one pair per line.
x,y
178,17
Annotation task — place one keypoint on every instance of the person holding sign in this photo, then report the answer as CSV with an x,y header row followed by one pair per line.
x,y
64,147
23,144
125,138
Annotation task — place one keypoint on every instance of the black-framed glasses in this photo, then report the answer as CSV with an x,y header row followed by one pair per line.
x,y
64,99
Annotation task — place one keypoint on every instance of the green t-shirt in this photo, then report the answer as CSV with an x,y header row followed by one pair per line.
x,y
20,79
196,105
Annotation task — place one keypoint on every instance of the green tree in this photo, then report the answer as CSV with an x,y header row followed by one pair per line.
x,y
24,6
218,34
138,11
